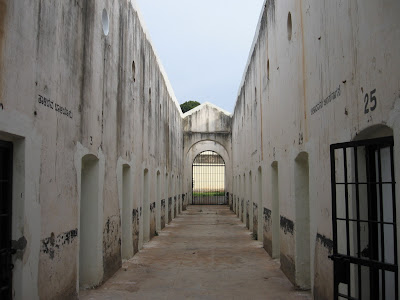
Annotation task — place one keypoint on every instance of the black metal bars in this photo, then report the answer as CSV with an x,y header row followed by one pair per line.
x,y
364,220
6,265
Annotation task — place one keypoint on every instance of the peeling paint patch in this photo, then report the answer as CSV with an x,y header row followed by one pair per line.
x,y
287,225
324,241
53,243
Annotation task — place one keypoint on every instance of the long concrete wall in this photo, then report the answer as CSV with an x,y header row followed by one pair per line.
x,y
97,133
319,73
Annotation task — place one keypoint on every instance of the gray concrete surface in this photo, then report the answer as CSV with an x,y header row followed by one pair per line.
x,y
205,253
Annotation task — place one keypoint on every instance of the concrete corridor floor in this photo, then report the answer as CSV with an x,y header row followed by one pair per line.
x,y
205,253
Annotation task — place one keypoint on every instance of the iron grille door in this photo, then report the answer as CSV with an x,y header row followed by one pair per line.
x,y
5,220
364,220
208,179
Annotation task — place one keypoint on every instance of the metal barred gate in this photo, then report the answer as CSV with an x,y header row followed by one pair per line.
x,y
6,251
364,220
208,184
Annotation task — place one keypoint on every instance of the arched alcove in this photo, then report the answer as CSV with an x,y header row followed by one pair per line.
x,y
146,206
126,213
273,242
375,131
260,208
158,201
302,225
90,263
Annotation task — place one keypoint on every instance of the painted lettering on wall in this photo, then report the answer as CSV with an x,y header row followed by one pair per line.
x,y
370,101
321,104
54,106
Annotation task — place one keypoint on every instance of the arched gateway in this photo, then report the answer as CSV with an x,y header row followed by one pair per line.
x,y
208,180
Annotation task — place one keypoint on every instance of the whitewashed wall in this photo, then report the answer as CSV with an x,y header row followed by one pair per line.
x,y
68,89
335,52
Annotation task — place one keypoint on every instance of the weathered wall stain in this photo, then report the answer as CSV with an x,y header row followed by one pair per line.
x,y
255,219
242,209
169,209
175,206
111,245
267,227
183,202
162,213
20,246
152,220
287,225
324,241
247,214
267,215
135,229
52,244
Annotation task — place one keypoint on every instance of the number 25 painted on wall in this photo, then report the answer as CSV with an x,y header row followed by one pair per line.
x,y
370,101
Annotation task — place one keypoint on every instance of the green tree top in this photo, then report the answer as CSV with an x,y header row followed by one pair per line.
x,y
188,105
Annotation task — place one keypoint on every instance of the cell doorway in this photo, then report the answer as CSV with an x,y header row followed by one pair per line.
x,y
364,220
6,266
208,181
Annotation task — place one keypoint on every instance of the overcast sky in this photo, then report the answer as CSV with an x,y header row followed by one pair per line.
x,y
203,45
